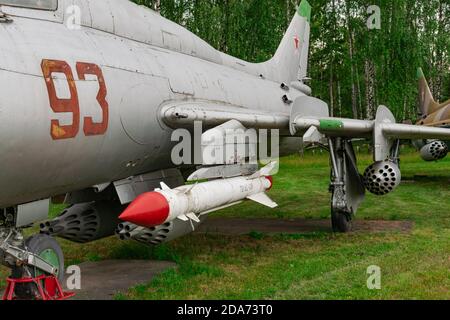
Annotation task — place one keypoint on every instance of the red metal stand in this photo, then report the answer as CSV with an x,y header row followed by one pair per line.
x,y
48,288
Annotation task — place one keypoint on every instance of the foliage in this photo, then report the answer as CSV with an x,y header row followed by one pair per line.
x,y
413,33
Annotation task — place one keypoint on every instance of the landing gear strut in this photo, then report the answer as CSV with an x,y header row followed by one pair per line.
x,y
49,250
37,263
346,185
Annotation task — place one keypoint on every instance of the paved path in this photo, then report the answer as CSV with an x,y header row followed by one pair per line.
x,y
103,280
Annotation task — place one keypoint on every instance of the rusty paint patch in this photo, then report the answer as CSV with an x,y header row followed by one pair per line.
x,y
71,105
90,127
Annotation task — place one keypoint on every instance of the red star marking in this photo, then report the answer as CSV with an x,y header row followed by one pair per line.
x,y
297,42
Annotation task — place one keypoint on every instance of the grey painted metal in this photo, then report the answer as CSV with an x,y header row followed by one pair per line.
x,y
383,130
300,86
354,184
382,143
434,151
334,163
346,185
11,249
41,4
164,233
403,131
311,107
212,115
90,195
313,136
228,144
306,107
85,222
31,212
382,177
128,189
227,171
148,63
159,77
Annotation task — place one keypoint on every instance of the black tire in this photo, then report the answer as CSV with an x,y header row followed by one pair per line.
x,y
341,222
38,244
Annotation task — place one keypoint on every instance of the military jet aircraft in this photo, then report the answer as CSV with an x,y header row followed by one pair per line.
x,y
433,114
88,110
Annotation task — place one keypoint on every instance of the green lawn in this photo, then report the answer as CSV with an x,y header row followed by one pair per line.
x,y
308,266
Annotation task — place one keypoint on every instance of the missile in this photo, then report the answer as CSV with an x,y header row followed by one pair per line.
x,y
189,202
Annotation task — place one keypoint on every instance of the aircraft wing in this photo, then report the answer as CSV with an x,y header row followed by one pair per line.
x,y
362,128
310,118
183,115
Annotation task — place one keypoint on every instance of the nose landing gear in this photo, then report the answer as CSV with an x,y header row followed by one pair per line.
x,y
37,266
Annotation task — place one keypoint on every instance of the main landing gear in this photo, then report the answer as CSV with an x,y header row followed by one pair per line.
x,y
347,186
37,263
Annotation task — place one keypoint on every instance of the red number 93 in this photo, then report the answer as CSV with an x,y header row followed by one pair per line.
x,y
72,105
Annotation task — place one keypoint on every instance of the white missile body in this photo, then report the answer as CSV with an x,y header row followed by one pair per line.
x,y
207,196
191,201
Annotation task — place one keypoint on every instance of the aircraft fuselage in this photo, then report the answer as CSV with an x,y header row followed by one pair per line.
x,y
80,107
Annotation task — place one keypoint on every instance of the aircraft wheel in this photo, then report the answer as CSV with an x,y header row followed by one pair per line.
x,y
341,222
48,249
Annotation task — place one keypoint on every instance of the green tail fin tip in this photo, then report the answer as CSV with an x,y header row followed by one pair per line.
x,y
420,74
304,10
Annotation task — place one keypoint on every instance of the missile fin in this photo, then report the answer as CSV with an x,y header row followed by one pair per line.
x,y
266,171
193,217
165,187
183,217
263,199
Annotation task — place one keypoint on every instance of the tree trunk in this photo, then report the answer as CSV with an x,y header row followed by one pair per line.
x,y
370,89
439,54
339,107
353,73
331,84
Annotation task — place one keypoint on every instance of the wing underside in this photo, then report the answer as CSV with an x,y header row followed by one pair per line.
x,y
309,118
183,115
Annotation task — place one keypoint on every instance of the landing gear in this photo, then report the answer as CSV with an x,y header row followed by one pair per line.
x,y
48,250
341,222
347,187
37,265
341,215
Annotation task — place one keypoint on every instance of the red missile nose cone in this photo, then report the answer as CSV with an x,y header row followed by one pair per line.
x,y
148,210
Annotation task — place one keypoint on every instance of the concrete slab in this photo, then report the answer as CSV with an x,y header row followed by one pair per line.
x,y
103,280
240,226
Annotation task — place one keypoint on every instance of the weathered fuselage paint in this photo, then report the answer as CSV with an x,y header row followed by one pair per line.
x,y
145,64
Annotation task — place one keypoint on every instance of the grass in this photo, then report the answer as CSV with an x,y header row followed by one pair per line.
x,y
319,265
